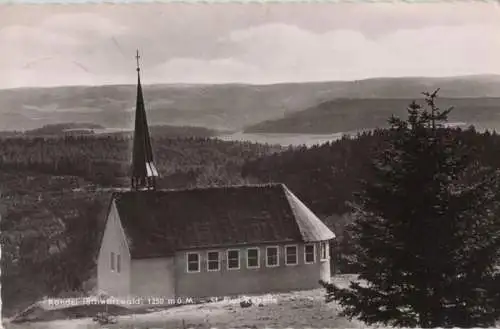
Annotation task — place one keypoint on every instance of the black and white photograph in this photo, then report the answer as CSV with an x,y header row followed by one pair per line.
x,y
241,165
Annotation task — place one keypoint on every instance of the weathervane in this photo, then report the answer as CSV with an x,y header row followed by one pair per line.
x,y
137,58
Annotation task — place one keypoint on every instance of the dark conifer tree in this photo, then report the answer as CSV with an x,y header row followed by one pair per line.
x,y
426,232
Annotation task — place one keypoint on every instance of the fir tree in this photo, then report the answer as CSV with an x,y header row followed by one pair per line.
x,y
426,232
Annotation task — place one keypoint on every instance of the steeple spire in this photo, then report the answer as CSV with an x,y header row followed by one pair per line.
x,y
143,168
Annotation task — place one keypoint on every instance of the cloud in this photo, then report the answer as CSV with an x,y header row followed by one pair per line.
x,y
54,108
86,48
280,52
82,23
203,71
60,50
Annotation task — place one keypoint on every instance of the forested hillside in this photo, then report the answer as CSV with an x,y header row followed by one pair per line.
x,y
104,160
326,176
47,234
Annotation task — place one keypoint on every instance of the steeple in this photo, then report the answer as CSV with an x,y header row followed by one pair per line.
x,y
143,168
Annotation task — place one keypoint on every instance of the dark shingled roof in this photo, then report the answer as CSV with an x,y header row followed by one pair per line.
x,y
158,223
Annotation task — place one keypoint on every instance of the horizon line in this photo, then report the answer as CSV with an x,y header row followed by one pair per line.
x,y
493,75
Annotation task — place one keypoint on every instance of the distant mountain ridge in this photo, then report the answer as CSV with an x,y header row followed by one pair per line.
x,y
78,129
342,115
223,107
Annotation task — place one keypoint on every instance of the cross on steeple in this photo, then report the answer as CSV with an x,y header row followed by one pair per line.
x,y
137,57
143,169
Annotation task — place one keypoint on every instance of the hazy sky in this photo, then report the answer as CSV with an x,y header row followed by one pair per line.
x,y
45,45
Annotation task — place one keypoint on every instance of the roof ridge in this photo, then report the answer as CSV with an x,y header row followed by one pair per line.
x,y
203,188
310,226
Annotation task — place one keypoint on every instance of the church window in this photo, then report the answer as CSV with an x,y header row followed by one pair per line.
x,y
324,250
112,261
272,256
309,253
291,255
193,262
118,263
233,259
253,257
213,263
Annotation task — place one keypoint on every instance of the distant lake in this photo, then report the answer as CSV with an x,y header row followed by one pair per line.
x,y
277,139
299,139
283,139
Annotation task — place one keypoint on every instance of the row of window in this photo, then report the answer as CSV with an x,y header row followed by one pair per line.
x,y
253,257
115,262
